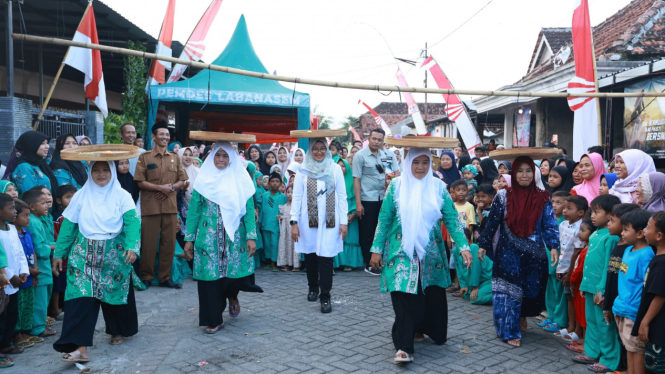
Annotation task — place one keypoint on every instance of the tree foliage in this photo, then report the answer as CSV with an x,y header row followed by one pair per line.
x,y
133,101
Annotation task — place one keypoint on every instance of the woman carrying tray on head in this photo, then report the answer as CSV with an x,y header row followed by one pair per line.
x,y
221,235
101,223
409,249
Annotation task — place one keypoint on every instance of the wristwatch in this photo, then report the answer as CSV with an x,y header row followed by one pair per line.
x,y
172,187
293,223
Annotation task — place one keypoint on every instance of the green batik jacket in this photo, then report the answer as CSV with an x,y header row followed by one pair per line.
x,y
205,228
401,273
97,268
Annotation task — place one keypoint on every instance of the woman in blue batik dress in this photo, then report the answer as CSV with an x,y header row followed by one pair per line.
x,y
524,216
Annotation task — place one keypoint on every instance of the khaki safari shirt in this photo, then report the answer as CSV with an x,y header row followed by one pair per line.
x,y
159,169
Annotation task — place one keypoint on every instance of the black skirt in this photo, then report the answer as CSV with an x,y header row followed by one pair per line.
x,y
213,295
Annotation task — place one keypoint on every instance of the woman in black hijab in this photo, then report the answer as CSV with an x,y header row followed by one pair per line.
x,y
490,171
254,154
126,179
65,170
566,183
476,162
31,168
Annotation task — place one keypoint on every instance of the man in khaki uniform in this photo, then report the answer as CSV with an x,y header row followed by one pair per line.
x,y
159,174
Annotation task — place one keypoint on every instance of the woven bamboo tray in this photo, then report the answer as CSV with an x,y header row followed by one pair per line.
x,y
423,142
303,134
536,153
102,152
222,136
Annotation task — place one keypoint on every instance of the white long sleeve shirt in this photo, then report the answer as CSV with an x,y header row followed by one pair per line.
x,y
16,262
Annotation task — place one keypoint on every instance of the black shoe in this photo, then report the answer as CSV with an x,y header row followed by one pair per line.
x,y
326,307
369,270
312,296
170,284
147,284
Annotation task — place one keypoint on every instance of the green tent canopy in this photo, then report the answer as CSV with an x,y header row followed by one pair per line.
x,y
229,102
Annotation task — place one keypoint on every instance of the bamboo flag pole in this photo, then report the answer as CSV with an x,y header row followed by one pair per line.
x,y
57,75
314,82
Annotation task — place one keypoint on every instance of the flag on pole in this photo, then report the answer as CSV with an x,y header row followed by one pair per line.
x,y
586,123
89,62
355,134
414,112
454,109
195,45
377,118
158,69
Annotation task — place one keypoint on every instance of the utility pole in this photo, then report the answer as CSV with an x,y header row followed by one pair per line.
x,y
9,29
426,85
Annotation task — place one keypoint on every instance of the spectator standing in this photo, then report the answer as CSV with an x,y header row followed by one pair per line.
x,y
129,137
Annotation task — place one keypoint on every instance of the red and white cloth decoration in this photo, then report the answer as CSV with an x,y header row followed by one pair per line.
x,y
455,108
158,69
585,127
196,43
377,118
89,61
414,112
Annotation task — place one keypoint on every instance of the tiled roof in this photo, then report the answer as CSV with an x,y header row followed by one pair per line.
x,y
393,113
556,37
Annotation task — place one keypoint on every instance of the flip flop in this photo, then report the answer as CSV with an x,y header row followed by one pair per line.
x,y
234,315
117,341
575,348
544,322
399,359
13,351
517,343
599,368
50,321
47,332
74,357
583,359
36,339
552,327
6,362
25,344
215,331
561,333
571,337
543,316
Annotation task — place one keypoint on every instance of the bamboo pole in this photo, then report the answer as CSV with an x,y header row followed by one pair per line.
x,y
57,75
314,82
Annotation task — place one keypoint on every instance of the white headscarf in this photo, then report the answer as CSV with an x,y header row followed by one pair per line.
x,y
539,179
324,170
419,205
98,210
192,172
637,163
283,165
294,167
229,188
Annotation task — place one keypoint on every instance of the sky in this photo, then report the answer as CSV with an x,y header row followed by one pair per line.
x,y
355,40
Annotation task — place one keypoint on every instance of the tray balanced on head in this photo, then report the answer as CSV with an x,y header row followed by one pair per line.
x,y
423,141
304,134
222,136
536,153
102,152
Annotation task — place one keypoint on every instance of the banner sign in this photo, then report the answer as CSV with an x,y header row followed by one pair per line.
x,y
229,97
522,132
644,119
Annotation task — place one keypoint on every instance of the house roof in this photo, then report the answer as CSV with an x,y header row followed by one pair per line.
x,y
552,39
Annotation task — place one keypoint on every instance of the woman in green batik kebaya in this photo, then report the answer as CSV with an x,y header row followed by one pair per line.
x,y
409,247
221,235
100,235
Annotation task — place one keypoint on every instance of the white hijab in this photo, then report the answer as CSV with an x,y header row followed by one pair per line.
x,y
637,163
192,172
283,166
229,188
98,210
537,177
419,205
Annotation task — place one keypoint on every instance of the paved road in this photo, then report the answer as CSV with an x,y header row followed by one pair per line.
x,y
280,332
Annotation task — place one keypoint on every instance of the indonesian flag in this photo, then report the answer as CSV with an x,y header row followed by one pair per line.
x,y
585,128
454,109
414,112
161,114
196,43
355,134
157,71
377,118
89,62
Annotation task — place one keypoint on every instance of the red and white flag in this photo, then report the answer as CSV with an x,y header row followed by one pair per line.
x,y
158,69
196,43
454,109
89,61
377,118
585,128
355,134
414,112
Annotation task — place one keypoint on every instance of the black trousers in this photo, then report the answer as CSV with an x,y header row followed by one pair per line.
x,y
425,313
212,300
8,320
367,227
78,327
319,274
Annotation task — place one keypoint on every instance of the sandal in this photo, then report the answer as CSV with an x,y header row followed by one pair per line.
x,y
552,327
584,359
575,348
599,368
74,357
25,344
231,307
47,332
561,333
515,343
14,350
544,322
50,321
214,330
274,269
452,288
6,362
543,316
296,270
571,337
402,356
118,340
457,294
284,269
36,339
